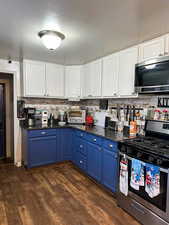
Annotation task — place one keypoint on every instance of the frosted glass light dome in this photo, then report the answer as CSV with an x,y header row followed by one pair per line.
x,y
51,39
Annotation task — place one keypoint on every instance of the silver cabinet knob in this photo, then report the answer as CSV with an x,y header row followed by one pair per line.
x,y
81,161
81,146
94,139
160,54
111,146
81,135
43,132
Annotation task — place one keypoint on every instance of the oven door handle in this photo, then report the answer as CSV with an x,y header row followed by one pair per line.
x,y
130,158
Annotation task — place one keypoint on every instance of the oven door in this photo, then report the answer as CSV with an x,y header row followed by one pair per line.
x,y
159,204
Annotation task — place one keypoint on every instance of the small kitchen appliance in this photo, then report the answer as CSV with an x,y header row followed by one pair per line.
x,y
62,118
76,116
30,116
45,115
147,201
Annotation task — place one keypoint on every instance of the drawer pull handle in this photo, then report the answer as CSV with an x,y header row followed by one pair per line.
x,y
111,146
81,146
81,135
43,132
94,139
81,161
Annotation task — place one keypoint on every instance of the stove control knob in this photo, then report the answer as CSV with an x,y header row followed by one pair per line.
x,y
159,161
151,159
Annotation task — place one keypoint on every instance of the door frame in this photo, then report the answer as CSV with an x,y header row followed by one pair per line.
x,y
4,103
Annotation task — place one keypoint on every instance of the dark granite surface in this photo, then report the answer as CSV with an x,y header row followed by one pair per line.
x,y
106,133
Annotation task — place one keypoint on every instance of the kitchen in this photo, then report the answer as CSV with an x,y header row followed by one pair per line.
x,y
83,114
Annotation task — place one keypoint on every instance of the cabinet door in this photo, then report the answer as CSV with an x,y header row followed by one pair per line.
x,y
127,60
54,80
110,75
64,144
86,80
73,81
34,79
67,143
94,161
92,76
151,49
110,170
42,151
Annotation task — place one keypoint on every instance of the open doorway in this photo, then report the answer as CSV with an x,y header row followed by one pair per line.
x,y
6,118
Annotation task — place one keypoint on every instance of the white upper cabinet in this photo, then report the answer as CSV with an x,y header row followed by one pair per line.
x,y
54,80
153,48
34,79
110,75
127,60
73,81
92,78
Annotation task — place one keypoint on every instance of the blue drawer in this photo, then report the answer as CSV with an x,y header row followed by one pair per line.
x,y
81,161
80,145
110,145
79,133
94,139
42,133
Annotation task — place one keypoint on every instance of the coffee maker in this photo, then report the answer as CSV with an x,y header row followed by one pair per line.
x,y
30,116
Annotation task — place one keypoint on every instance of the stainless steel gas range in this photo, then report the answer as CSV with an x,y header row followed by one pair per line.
x,y
141,154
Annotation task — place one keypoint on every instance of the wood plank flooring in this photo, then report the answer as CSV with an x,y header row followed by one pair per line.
x,y
55,195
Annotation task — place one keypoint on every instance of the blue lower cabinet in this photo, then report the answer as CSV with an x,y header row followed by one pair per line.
x,y
94,160
109,169
80,145
96,156
42,151
64,144
81,161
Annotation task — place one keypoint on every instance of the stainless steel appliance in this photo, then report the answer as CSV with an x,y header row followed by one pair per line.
x,y
30,116
76,116
152,76
152,149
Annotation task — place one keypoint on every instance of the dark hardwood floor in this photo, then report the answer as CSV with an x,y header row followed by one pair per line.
x,y
56,194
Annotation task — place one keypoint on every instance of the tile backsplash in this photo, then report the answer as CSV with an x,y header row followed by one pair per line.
x,y
92,104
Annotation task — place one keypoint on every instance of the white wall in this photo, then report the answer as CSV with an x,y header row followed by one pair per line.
x,y
14,68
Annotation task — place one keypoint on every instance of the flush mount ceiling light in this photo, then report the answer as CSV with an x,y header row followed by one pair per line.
x,y
51,39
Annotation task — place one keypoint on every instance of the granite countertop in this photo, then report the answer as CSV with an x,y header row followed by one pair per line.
x,y
96,130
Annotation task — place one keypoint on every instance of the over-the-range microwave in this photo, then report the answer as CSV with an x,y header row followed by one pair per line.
x,y
152,76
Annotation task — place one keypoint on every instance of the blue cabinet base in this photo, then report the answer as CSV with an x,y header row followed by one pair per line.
x,y
94,155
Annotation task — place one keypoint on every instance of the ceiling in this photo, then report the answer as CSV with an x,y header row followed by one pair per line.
x,y
93,28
